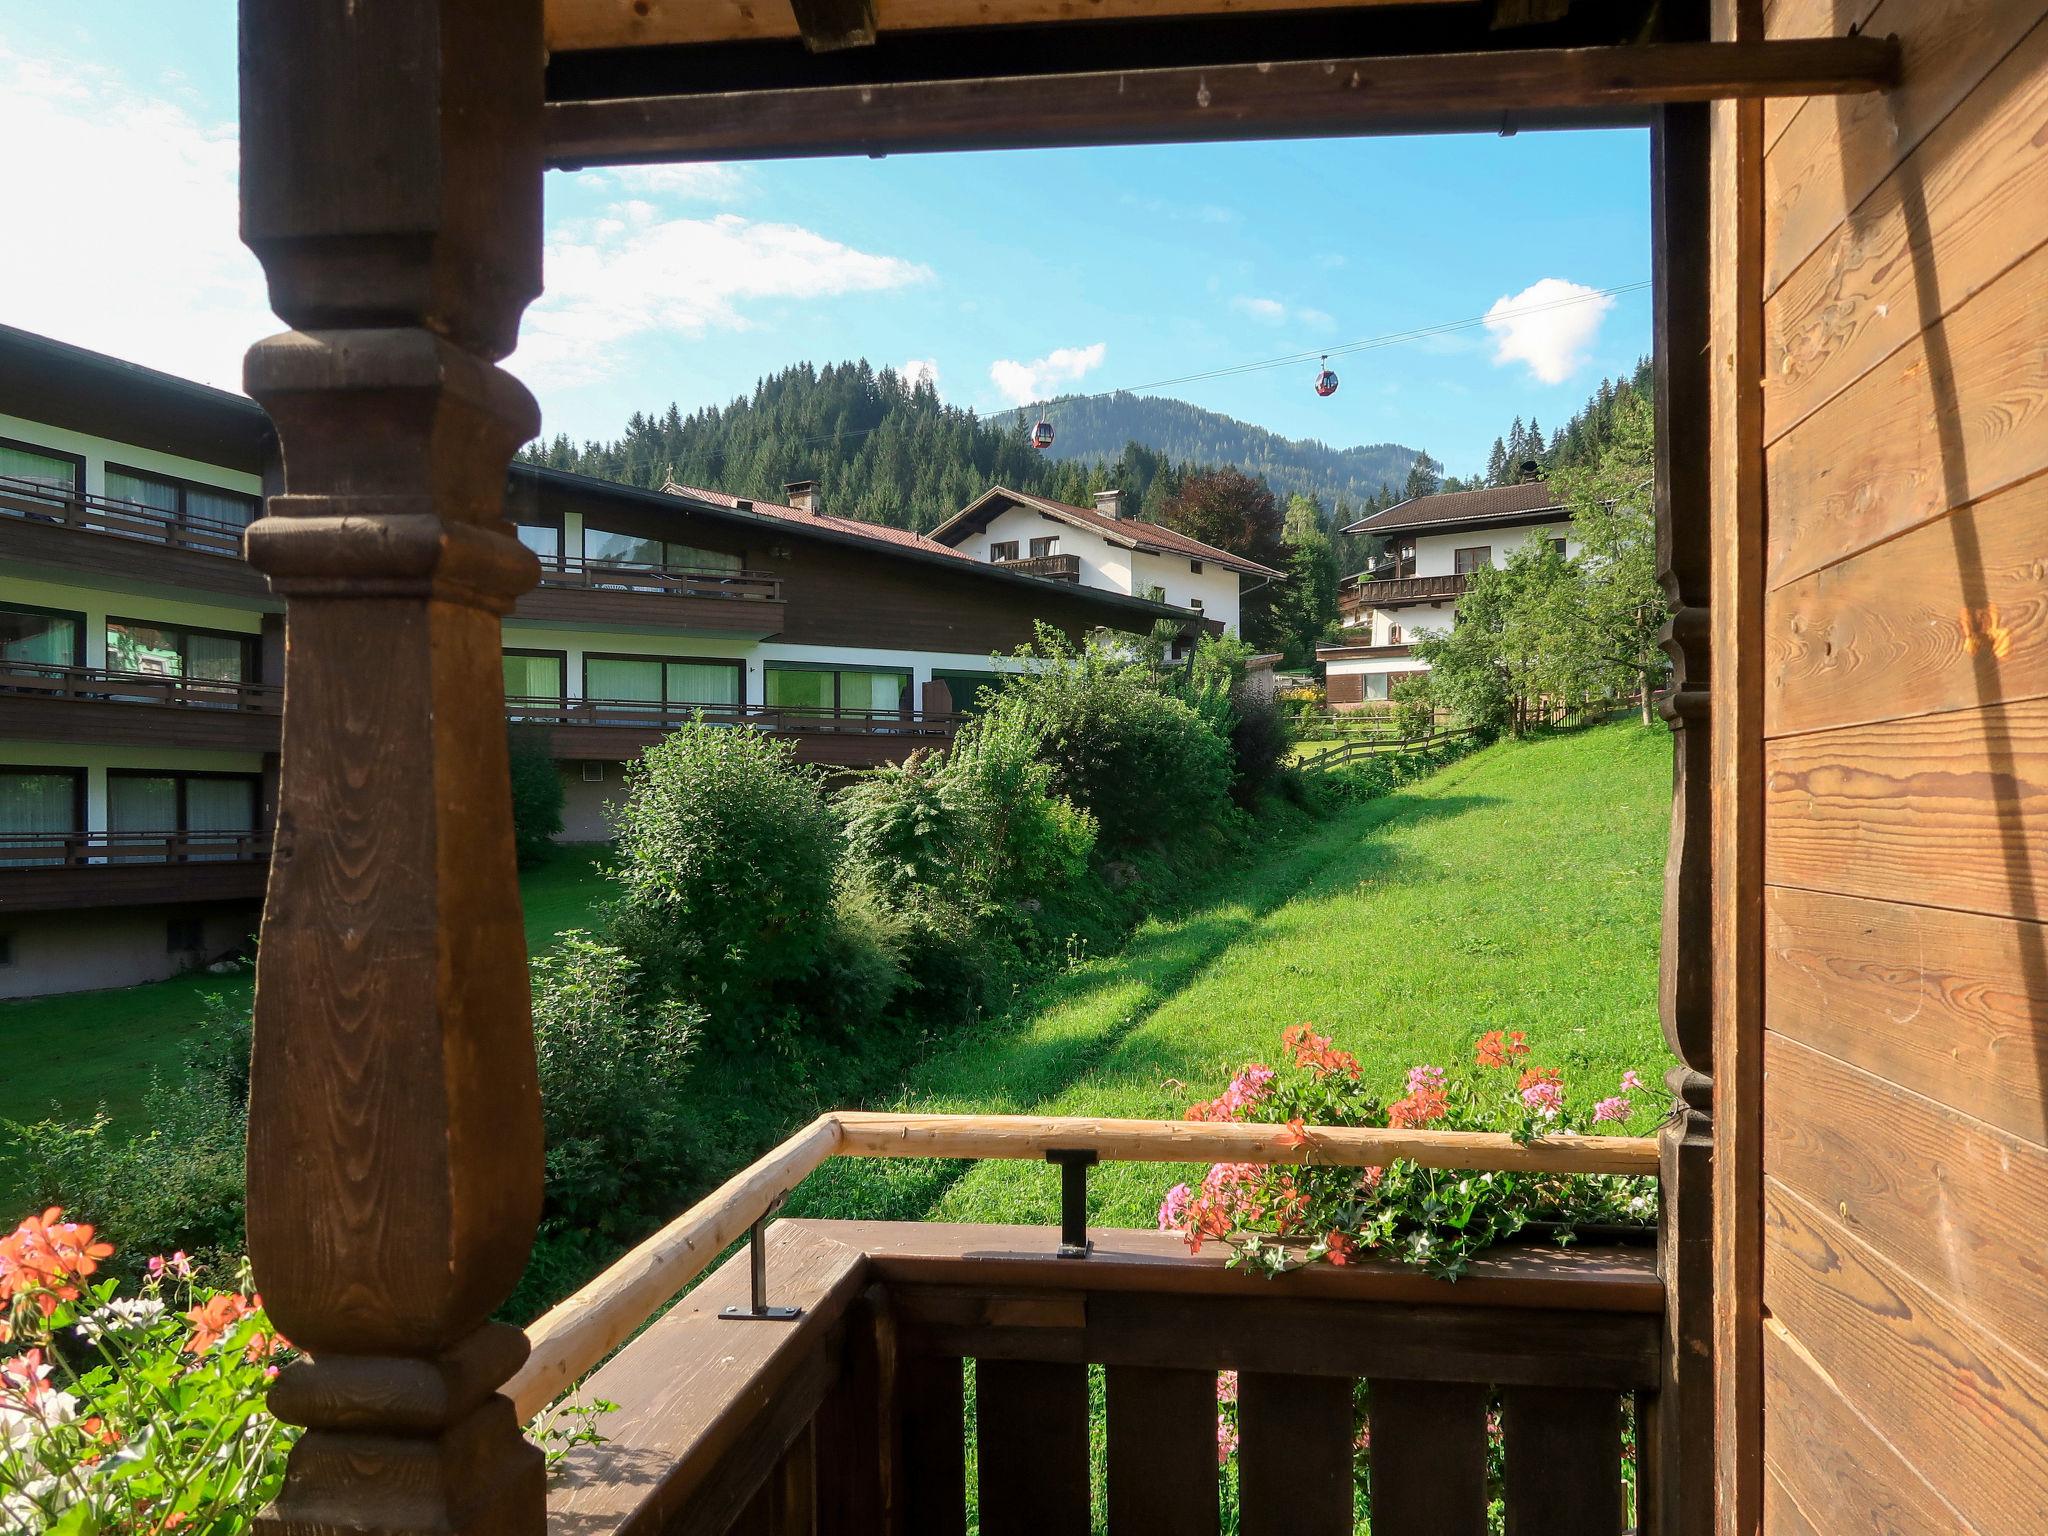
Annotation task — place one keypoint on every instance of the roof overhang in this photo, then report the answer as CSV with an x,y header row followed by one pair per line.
x,y
1550,514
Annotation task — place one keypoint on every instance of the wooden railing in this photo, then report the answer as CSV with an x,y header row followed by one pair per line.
x,y
35,502
79,850
1351,751
636,714
105,685
1365,652
1400,589
853,1413
674,580
1052,567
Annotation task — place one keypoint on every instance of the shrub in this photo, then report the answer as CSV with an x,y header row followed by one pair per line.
x,y
536,794
1018,838
1414,708
726,856
1259,738
902,838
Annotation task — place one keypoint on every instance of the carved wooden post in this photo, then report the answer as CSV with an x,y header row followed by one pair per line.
x,y
1679,1435
391,185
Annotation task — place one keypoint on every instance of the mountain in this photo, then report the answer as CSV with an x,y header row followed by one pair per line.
x,y
1095,430
890,450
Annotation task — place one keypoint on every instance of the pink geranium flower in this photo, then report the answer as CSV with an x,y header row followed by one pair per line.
x,y
1616,1108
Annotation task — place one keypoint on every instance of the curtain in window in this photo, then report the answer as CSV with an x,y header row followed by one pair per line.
x,y
138,804
217,658
149,648
145,489
881,691
40,468
533,677
36,802
637,681
220,805
796,688
710,683
222,508
40,637
621,547
691,558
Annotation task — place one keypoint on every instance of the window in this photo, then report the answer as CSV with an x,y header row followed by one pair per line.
x,y
602,546
593,773
688,681
38,807
824,690
1393,634
212,809
1155,594
182,501
535,674
39,475
1195,567
41,636
1477,558
1195,603
1558,545
971,690
1004,549
172,650
545,542
1042,549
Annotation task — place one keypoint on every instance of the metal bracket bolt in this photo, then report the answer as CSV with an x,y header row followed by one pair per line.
x,y
757,1265
1074,1163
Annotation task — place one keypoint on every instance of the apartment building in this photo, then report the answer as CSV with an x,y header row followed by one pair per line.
x,y
1434,544
1106,548
141,659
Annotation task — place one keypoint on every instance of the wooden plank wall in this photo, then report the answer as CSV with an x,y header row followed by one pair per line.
x,y
1905,720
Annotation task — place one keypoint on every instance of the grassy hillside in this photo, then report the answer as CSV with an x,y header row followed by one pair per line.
x,y
1518,889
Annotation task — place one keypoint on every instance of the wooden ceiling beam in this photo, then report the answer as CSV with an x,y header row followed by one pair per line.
x,y
577,24
1501,91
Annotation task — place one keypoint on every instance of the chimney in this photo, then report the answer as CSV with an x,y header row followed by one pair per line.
x,y
1110,504
803,495
1531,471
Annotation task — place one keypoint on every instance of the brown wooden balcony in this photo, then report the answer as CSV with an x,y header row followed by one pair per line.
x,y
1399,591
101,536
855,1413
612,730
59,871
1051,567
621,592
108,707
1364,652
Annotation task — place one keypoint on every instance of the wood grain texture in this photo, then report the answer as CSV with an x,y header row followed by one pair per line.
x,y
931,1409
1970,1411
1806,18
1828,160
1949,1005
1960,210
1940,1195
1563,1462
1295,1442
1162,1451
1950,808
1951,615
1031,1448
1958,413
1782,1514
1829,1458
1428,1458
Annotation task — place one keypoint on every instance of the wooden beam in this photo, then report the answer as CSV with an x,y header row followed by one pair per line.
x,y
829,25
1497,92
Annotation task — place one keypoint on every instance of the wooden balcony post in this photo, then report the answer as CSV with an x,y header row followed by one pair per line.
x,y
1677,1437
391,186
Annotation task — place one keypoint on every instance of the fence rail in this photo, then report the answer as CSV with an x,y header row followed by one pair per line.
x,y
33,501
107,685
1350,751
674,580
636,714
80,850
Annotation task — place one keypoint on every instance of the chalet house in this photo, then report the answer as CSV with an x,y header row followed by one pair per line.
x,y
1104,547
141,658
1434,543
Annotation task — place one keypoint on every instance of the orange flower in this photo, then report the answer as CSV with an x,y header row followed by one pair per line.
x,y
1420,1108
45,1257
1340,1248
1534,1075
214,1319
1315,1052
1497,1048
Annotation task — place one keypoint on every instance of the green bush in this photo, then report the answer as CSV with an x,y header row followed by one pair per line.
x,y
902,838
536,794
1414,708
1018,839
727,854
1259,739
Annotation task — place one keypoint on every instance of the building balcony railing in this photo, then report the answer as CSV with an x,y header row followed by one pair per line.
x,y
1051,567
1360,596
76,871
34,501
672,580
102,685
1364,652
638,715
78,850
728,1417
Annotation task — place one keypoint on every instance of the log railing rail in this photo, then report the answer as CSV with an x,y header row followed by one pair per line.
x,y
655,715
676,580
108,685
76,850
1350,751
35,501
579,1332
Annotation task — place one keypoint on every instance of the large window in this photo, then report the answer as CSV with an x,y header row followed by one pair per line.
x,y
41,636
182,501
36,474
1001,550
176,650
826,689
545,542
1477,558
687,681
214,810
37,807
1045,548
601,544
535,674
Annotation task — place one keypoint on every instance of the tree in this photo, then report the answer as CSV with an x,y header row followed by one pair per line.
x,y
1425,477
1231,510
1304,516
1306,608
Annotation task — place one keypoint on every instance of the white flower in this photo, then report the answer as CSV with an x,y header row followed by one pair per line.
x,y
128,1315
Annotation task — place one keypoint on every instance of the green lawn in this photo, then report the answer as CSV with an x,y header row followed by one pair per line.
x,y
70,1055
1517,889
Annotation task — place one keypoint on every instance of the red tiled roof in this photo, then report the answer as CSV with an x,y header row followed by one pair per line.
x,y
1131,531
881,533
1491,504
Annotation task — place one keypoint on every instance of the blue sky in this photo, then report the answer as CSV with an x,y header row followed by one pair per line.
x,y
1007,274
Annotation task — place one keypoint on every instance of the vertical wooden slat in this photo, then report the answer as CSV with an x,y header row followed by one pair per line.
x,y
787,1503
1296,1445
853,1449
1429,1458
932,1444
1162,1452
1563,1461
1031,1438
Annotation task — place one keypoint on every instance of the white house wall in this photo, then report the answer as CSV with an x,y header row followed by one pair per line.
x,y
97,604
1436,553
1113,567
1215,587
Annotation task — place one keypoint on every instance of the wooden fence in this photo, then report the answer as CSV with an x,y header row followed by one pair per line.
x,y
1351,751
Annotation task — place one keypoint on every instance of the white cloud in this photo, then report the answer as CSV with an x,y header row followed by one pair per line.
x,y
700,182
1550,325
150,267
1316,319
921,368
1022,383
633,271
1272,311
